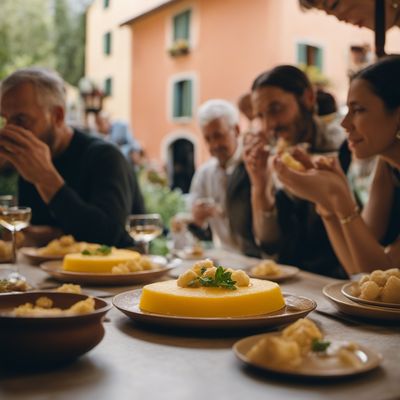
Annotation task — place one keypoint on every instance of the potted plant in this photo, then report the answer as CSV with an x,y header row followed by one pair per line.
x,y
179,47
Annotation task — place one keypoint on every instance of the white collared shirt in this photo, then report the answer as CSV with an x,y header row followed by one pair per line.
x,y
210,180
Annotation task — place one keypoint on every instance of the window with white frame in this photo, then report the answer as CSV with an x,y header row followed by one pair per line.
x,y
310,56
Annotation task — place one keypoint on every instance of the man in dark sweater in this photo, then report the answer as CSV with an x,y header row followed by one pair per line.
x,y
74,183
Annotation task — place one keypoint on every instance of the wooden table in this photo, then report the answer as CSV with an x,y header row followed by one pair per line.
x,y
134,362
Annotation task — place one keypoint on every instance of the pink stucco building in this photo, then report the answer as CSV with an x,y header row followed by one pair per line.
x,y
219,47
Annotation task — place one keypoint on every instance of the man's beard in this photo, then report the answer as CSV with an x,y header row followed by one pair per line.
x,y
303,125
299,130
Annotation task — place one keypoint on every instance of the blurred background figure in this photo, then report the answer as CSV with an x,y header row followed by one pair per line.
x,y
326,105
360,57
246,110
118,133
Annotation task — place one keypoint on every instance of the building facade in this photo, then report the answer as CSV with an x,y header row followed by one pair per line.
x,y
183,52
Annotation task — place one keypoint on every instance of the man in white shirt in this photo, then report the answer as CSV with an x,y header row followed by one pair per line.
x,y
220,190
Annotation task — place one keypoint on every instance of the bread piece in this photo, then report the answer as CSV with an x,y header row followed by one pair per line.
x,y
291,162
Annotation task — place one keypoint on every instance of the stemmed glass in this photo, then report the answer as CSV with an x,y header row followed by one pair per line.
x,y
14,219
7,200
144,228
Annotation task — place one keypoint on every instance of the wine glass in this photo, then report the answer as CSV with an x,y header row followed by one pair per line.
x,y
7,200
144,228
14,219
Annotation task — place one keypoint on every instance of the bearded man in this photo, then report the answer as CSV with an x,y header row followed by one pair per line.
x,y
74,183
287,228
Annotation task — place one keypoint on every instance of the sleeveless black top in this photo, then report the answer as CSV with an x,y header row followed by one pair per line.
x,y
393,230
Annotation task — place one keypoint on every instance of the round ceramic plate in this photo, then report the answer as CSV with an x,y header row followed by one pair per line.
x,y
34,256
287,272
346,290
296,307
313,365
188,255
54,268
333,292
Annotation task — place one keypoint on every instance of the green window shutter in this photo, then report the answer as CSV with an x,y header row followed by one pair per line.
x,y
108,89
182,99
176,100
301,54
107,43
182,25
187,99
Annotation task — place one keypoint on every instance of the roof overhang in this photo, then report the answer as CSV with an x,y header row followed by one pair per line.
x,y
148,12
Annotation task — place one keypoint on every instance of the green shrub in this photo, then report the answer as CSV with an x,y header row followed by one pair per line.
x,y
159,198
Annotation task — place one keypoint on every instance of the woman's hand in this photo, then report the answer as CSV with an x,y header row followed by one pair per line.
x,y
323,183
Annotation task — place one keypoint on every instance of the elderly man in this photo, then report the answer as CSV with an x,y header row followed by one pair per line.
x,y
74,183
288,228
220,190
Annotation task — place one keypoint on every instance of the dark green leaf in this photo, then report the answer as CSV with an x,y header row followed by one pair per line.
x,y
319,345
102,250
222,279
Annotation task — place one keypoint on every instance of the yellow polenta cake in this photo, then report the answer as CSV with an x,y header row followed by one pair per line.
x,y
259,297
100,263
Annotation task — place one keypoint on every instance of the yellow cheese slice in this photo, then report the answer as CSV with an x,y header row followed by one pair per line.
x,y
78,262
260,297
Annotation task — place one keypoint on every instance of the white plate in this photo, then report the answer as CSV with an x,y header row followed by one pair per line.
x,y
34,256
287,272
187,255
313,365
333,292
346,290
296,307
54,269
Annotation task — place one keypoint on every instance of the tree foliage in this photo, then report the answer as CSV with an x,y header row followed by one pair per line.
x,y
69,41
25,35
49,33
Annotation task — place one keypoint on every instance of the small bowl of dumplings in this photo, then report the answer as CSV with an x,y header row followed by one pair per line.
x,y
379,288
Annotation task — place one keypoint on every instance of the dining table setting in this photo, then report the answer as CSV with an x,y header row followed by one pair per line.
x,y
120,349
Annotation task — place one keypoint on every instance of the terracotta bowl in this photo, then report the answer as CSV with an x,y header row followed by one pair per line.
x,y
41,341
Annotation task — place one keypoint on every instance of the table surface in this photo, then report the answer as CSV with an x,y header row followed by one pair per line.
x,y
134,361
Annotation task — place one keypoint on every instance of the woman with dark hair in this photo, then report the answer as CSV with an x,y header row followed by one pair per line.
x,y
367,241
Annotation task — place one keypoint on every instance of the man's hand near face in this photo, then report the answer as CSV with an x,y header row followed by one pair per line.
x,y
256,158
31,158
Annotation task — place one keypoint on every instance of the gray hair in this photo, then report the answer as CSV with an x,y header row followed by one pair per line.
x,y
215,109
49,85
